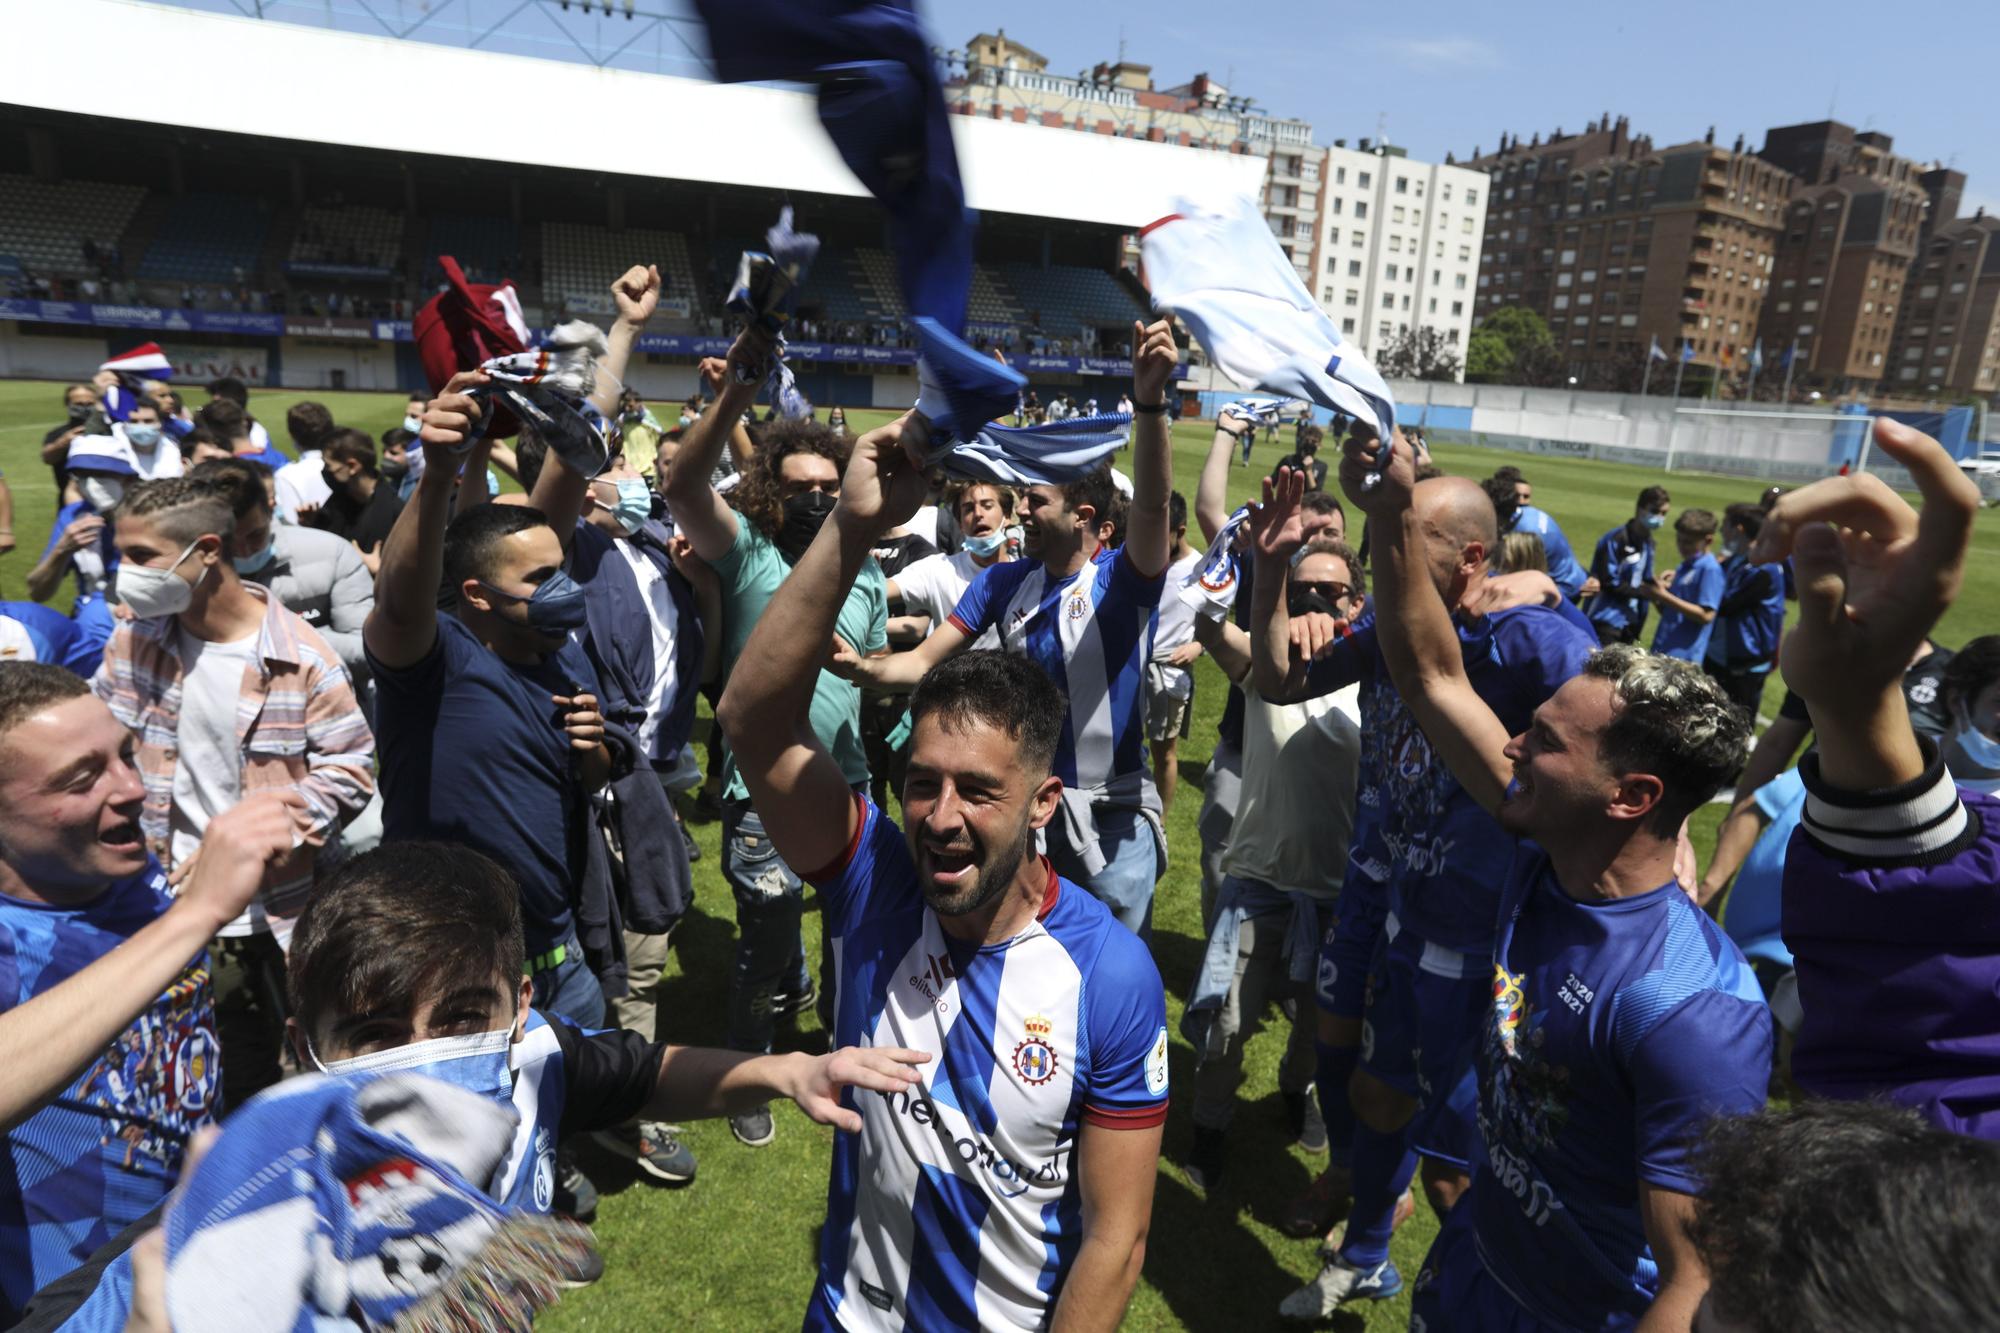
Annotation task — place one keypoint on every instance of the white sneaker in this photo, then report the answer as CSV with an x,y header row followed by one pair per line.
x,y
1339,1282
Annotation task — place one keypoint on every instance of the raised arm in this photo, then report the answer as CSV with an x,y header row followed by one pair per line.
x,y
1228,645
702,515
1211,494
402,628
794,783
560,489
1873,578
1414,629
897,673
1154,356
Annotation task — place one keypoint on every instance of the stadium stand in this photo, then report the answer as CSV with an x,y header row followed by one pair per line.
x,y
207,238
991,302
1063,299
366,237
578,261
875,278
487,248
43,224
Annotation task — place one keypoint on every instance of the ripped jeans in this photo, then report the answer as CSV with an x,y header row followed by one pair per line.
x,y
770,953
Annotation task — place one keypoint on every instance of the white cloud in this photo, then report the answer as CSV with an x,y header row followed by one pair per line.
x,y
1435,53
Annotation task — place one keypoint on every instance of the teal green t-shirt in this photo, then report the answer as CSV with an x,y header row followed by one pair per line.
x,y
750,574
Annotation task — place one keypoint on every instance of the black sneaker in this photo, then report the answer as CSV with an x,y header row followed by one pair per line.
x,y
1312,1128
1204,1163
693,847
575,1196
657,1149
753,1128
788,1002
584,1269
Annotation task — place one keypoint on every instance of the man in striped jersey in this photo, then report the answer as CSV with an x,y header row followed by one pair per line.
x,y
1083,612
1012,1187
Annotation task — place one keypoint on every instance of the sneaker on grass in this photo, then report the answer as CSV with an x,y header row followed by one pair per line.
x,y
656,1148
1339,1283
575,1196
753,1128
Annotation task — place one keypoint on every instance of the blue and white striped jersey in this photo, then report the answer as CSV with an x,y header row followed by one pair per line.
x,y
567,1081
1092,633
957,1205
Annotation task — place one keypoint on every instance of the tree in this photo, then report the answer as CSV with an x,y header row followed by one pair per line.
x,y
1513,345
1418,354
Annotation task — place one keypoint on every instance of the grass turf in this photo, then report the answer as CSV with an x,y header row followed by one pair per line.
x,y
736,1250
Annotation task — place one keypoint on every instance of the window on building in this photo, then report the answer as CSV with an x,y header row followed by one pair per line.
x,y
1388,301
1808,306
1464,253
1360,208
1353,268
1396,214
1451,336
1587,276
1364,179
1406,301
1447,191
1564,279
1402,185
1584,298
1561,303
1326,296
1471,198
1392,272
1332,267
1335,204
1340,178
1332,237
1458,307
1353,297
1395,244
1433,305
1382,329
1347,327
1458,282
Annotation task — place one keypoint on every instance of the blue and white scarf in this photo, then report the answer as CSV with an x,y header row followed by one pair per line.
x,y
1211,587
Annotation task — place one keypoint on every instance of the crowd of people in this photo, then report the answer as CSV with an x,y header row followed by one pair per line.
x,y
344,762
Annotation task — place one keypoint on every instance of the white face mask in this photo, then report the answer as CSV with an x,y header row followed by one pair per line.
x,y
477,1063
102,494
149,593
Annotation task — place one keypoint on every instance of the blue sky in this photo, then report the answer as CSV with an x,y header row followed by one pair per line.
x,y
1449,75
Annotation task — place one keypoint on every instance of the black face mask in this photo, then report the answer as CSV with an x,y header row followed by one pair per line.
x,y
392,469
804,513
78,411
1305,603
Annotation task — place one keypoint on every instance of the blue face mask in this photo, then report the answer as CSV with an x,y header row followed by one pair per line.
x,y
477,1063
985,548
556,608
142,437
251,564
1977,746
634,506
1655,520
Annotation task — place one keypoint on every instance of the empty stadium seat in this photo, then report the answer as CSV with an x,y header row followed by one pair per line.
x,y
43,224
579,263
207,238
369,237
1064,298
488,249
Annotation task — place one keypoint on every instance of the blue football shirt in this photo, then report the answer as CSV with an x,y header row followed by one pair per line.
x,y
1618,1030
1699,580
1443,847
107,1148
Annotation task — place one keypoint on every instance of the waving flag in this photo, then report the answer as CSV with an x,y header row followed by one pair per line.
x,y
1757,356
1655,353
1217,267
1687,351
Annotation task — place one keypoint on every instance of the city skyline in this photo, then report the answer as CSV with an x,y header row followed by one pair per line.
x,y
1475,73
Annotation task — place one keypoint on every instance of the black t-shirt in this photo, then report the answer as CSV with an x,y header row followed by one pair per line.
x,y
1314,469
895,554
1923,693
608,1077
365,523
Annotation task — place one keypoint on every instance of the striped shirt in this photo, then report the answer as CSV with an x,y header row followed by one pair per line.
x,y
1092,632
297,723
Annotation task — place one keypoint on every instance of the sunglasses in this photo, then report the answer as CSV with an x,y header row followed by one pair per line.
x,y
1335,593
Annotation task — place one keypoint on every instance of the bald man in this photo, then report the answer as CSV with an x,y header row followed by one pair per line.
x,y
1430,977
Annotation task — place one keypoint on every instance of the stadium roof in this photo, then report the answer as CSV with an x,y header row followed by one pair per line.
x,y
314,85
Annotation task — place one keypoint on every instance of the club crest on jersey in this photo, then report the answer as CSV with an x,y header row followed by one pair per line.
x,y
1034,1057
1078,607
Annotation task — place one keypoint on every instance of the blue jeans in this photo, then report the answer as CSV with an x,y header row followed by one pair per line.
x,y
570,989
1134,860
770,955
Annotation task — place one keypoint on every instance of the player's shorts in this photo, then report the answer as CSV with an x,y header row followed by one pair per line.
x,y
1348,949
1169,702
1455,1294
1424,1011
1447,1128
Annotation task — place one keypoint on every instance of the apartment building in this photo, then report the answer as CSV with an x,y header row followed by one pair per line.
x,y
1617,243
1948,344
1844,254
1398,245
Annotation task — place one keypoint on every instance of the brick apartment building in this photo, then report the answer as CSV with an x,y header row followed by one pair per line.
x,y
1617,243
1844,253
1948,344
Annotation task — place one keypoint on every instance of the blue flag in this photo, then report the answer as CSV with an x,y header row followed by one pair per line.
x,y
1687,350
881,102
1757,356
